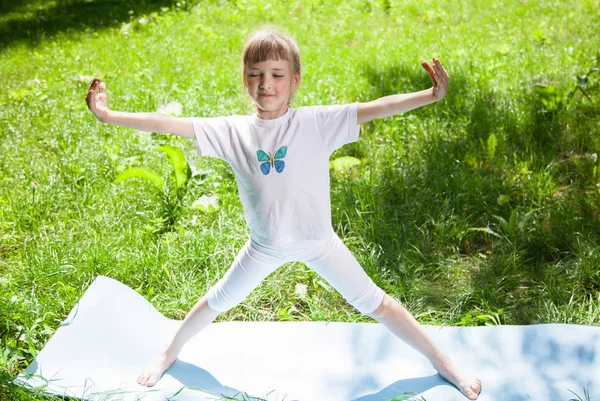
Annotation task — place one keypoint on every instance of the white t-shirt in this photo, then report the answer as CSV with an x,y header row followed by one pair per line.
x,y
281,166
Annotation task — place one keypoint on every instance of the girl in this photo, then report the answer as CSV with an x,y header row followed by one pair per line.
x,y
280,159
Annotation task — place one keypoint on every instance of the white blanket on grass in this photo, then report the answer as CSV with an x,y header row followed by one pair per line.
x,y
113,332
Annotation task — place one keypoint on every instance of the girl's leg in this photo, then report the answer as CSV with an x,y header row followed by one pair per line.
x,y
249,268
200,316
340,268
400,322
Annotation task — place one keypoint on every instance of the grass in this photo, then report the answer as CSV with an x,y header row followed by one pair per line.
x,y
481,209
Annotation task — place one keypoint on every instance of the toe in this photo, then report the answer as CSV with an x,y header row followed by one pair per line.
x,y
471,391
151,381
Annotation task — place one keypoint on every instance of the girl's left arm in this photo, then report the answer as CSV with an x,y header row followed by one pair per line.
x,y
388,106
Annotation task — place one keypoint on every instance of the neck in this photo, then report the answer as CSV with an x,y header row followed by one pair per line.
x,y
270,115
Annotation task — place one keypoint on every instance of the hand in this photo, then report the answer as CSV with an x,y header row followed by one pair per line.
x,y
97,101
439,78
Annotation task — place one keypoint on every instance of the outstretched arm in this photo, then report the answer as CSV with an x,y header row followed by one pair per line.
x,y
151,122
394,104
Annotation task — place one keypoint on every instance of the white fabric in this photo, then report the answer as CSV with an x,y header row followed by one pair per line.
x,y
113,332
293,204
330,258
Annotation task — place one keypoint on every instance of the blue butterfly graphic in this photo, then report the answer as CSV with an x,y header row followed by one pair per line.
x,y
270,160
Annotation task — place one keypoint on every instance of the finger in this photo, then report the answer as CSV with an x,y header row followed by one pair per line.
x,y
430,71
436,69
89,98
437,66
440,70
102,87
446,73
441,73
92,90
93,83
427,67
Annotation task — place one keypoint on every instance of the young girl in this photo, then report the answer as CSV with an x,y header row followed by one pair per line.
x,y
280,157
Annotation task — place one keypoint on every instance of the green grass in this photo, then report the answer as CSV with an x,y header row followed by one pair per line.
x,y
427,212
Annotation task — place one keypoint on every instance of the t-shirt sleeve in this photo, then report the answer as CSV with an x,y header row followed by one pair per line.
x,y
213,136
337,124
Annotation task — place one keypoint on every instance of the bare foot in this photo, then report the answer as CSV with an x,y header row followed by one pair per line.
x,y
155,369
468,385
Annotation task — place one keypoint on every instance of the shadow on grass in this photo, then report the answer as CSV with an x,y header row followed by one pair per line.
x,y
36,21
435,179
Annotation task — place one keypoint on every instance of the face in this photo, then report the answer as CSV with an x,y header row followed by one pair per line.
x,y
270,84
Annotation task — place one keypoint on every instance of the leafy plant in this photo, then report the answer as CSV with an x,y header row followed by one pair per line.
x,y
550,98
583,82
480,319
515,224
490,146
510,228
170,195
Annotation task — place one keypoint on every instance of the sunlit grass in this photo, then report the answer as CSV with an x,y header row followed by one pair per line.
x,y
423,211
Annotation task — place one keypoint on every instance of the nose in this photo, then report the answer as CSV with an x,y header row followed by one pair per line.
x,y
265,83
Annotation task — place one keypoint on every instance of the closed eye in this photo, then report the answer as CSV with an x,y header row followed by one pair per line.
x,y
256,75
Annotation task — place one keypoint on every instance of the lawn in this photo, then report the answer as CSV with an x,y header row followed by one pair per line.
x,y
483,208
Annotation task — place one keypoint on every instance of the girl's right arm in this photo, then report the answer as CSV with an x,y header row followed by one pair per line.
x,y
151,122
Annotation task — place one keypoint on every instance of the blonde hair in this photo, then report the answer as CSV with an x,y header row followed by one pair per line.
x,y
269,43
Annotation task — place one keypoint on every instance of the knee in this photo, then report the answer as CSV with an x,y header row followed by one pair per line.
x,y
219,300
214,306
382,308
370,301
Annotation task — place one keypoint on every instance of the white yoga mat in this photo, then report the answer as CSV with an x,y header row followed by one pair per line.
x,y
113,332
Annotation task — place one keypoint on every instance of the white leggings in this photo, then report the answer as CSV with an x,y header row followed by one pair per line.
x,y
330,258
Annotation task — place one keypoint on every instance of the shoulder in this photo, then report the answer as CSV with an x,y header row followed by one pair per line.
x,y
313,110
331,111
329,107
303,112
303,109
228,125
233,119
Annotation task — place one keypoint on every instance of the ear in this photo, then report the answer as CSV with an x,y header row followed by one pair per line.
x,y
296,80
